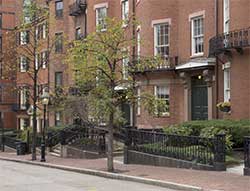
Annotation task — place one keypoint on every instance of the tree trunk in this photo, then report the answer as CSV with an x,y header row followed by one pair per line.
x,y
110,162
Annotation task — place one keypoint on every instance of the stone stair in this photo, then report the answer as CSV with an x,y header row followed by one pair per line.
x,y
56,151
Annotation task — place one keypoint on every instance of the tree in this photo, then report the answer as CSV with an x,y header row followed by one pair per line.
x,y
30,55
104,74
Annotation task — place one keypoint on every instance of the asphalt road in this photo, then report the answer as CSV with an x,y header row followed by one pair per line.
x,y
23,177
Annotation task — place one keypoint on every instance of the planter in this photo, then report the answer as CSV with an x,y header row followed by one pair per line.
x,y
225,109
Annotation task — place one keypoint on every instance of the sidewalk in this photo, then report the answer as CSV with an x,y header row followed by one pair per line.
x,y
208,180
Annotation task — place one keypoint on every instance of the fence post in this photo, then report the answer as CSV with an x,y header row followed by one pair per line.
x,y
220,152
63,144
247,156
128,142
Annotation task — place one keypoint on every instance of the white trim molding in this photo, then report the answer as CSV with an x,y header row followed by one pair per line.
x,y
196,14
160,21
101,5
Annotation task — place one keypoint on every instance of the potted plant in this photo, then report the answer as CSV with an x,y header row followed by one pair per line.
x,y
224,106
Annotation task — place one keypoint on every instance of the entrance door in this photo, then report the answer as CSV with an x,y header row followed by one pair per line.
x,y
199,99
125,107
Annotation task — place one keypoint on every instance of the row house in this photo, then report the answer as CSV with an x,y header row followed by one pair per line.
x,y
196,74
205,46
7,76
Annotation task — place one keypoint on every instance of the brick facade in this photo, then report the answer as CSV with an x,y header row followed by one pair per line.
x,y
7,79
179,16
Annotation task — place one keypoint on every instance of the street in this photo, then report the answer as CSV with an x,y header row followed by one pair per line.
x,y
22,177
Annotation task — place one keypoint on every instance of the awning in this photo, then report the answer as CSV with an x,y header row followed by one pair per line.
x,y
196,64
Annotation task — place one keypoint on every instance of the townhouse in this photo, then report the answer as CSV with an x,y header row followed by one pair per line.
x,y
7,76
204,43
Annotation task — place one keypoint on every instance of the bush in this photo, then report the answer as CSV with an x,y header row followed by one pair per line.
x,y
178,130
236,129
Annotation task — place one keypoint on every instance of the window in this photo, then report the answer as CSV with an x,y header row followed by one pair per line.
x,y
138,44
161,34
59,9
101,14
138,101
197,36
24,97
44,59
59,43
125,11
58,118
1,93
78,33
37,61
162,93
1,20
226,16
41,31
24,64
226,68
58,79
23,123
125,62
24,37
1,44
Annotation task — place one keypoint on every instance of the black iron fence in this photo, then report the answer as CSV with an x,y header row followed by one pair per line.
x,y
86,136
208,151
247,156
234,39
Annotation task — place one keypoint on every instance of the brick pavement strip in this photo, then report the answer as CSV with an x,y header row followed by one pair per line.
x,y
162,176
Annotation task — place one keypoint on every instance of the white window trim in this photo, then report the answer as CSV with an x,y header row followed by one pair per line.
x,y
23,98
101,5
44,59
226,68
138,101
193,54
22,68
97,16
161,21
156,95
125,20
155,35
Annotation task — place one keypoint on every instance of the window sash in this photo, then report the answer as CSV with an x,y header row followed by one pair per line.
x,y
101,14
125,10
161,33
162,92
197,35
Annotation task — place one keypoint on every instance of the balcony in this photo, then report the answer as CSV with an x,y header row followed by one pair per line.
x,y
168,64
78,7
237,40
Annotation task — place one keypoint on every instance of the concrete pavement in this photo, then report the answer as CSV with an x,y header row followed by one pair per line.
x,y
207,180
23,177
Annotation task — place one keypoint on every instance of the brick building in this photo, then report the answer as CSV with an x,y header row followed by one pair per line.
x,y
7,77
197,72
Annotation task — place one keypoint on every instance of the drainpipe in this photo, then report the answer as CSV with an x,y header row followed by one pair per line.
x,y
85,25
134,62
216,62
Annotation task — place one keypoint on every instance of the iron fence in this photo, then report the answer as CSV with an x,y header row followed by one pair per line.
x,y
234,39
247,152
190,148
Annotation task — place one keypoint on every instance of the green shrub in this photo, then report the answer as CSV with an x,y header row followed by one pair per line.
x,y
178,130
237,129
211,132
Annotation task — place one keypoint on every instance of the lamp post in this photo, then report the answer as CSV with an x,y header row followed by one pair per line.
x,y
2,137
45,101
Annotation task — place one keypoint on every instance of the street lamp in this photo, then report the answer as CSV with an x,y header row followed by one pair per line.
x,y
45,102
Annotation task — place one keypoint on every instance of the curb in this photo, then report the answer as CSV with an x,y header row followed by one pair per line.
x,y
104,174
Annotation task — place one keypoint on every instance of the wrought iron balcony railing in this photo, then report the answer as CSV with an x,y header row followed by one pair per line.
x,y
167,64
237,39
78,7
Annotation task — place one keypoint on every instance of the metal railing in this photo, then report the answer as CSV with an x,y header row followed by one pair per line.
x,y
189,148
237,39
77,8
165,64
247,156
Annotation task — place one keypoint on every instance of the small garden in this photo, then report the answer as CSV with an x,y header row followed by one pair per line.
x,y
235,132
